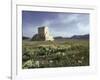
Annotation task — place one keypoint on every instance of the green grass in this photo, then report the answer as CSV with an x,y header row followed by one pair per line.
x,y
44,54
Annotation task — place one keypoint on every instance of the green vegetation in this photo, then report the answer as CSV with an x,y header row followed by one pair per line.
x,y
44,54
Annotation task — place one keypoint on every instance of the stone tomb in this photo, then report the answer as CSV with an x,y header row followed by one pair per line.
x,y
43,34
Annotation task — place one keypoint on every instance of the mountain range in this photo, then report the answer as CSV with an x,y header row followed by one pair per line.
x,y
86,36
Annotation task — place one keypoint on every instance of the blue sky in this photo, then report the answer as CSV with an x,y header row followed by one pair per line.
x,y
59,24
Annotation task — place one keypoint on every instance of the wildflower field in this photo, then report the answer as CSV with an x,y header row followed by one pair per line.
x,y
57,53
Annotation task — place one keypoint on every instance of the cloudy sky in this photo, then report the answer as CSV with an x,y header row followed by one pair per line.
x,y
60,24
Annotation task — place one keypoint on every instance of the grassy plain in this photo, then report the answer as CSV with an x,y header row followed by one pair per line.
x,y
58,53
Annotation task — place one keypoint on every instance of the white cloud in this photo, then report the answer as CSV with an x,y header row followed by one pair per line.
x,y
46,23
68,18
83,29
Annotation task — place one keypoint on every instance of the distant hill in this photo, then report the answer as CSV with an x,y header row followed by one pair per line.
x,y
73,37
25,38
80,36
59,37
64,38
